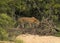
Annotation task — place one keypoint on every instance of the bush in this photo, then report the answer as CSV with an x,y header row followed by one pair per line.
x,y
6,23
18,41
3,34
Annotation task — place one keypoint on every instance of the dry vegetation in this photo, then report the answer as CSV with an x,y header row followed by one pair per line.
x,y
6,42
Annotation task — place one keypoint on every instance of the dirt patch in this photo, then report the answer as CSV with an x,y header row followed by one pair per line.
x,y
27,38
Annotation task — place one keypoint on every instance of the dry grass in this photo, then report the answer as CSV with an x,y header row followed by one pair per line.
x,y
27,38
6,42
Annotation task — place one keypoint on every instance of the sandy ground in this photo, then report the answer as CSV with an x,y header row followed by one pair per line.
x,y
38,39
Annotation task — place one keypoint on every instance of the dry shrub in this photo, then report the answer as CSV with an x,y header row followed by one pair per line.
x,y
47,27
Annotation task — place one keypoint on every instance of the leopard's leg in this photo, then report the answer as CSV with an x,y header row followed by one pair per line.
x,y
30,25
21,25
